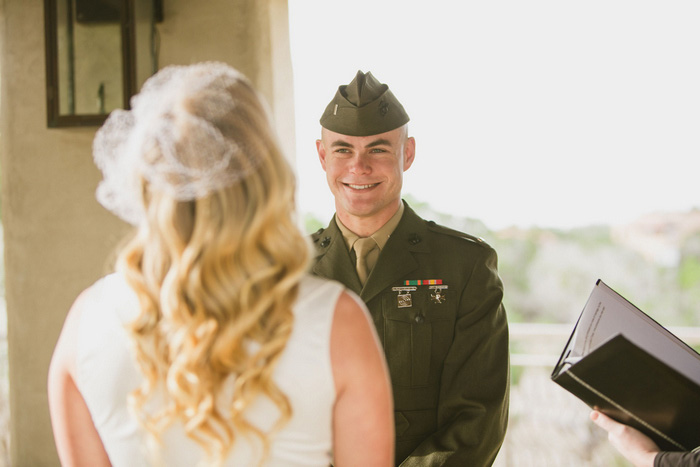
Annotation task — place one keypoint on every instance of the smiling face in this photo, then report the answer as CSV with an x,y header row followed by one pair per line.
x,y
365,175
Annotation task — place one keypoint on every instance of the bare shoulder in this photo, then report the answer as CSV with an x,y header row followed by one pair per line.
x,y
354,341
363,415
350,310
352,324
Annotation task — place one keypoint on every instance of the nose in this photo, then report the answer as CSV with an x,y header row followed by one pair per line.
x,y
359,165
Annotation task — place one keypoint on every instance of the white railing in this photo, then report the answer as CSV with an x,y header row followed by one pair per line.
x,y
548,336
548,426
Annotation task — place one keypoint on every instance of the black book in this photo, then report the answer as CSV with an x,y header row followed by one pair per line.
x,y
623,363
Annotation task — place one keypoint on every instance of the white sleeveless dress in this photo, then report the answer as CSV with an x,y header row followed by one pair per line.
x,y
106,374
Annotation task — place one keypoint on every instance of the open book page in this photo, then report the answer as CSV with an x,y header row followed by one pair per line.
x,y
607,314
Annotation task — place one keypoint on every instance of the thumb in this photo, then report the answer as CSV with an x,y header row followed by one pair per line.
x,y
603,420
599,418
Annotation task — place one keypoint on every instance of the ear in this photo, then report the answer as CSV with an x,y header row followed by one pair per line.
x,y
321,149
409,152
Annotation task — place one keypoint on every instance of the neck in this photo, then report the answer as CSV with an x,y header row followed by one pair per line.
x,y
364,226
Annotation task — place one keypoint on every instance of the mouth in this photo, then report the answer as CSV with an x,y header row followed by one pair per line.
x,y
361,187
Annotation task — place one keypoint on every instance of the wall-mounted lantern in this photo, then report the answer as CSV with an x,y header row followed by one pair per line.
x,y
98,52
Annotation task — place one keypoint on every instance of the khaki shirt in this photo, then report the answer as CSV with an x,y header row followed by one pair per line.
x,y
381,236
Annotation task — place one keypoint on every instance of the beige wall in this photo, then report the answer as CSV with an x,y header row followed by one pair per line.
x,y
57,238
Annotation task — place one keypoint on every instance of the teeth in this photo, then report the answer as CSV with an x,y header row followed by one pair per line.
x,y
361,187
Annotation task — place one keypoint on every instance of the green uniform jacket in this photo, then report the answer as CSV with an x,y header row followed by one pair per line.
x,y
448,356
678,459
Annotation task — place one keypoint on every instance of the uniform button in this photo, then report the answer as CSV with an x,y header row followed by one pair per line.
x,y
414,239
325,242
419,319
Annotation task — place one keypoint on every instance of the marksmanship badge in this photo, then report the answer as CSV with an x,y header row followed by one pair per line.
x,y
404,300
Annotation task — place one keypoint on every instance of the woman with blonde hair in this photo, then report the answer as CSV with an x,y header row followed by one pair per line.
x,y
210,344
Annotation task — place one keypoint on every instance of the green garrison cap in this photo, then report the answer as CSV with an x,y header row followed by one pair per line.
x,y
364,107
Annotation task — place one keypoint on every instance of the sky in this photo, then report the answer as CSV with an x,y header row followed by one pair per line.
x,y
550,113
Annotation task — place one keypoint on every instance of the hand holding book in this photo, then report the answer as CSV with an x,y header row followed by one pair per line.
x,y
629,367
637,448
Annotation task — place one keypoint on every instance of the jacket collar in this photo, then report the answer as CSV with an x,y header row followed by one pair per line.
x,y
333,259
396,260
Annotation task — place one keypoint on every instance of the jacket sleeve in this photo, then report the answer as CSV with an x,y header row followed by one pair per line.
x,y
678,459
474,390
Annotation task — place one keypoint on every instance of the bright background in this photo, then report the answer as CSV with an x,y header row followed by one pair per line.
x,y
546,112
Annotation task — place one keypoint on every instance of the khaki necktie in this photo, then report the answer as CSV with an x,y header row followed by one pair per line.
x,y
362,247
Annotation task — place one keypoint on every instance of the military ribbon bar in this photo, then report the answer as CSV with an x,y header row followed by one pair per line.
x,y
424,282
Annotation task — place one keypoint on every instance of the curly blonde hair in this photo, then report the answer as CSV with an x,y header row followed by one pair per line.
x,y
216,278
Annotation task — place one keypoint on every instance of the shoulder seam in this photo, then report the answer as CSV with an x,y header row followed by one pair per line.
x,y
435,227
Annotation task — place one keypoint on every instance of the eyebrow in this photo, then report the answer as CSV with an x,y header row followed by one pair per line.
x,y
375,143
379,142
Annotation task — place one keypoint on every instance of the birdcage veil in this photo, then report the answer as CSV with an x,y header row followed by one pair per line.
x,y
177,151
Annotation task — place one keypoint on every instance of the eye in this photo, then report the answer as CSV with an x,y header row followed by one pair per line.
x,y
378,150
342,151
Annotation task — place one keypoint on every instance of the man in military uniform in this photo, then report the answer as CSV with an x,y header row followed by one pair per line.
x,y
434,293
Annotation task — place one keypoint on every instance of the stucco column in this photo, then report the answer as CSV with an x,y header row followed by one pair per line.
x,y
58,240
